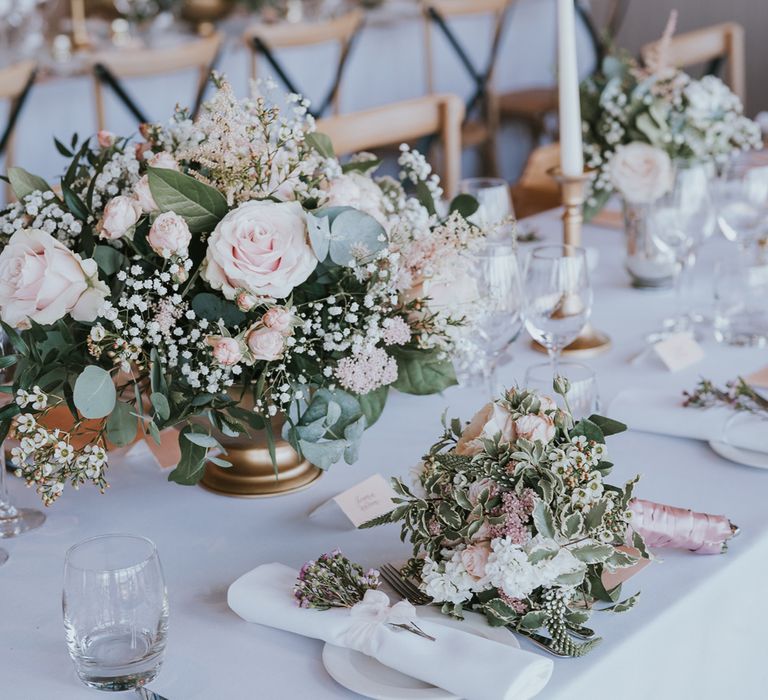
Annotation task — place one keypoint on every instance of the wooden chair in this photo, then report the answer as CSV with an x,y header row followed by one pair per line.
x,y
712,46
15,84
264,39
400,122
111,67
480,130
536,190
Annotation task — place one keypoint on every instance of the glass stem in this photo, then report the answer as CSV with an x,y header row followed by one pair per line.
x,y
7,509
554,358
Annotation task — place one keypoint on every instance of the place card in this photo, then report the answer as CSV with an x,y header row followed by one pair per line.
x,y
678,351
758,379
367,500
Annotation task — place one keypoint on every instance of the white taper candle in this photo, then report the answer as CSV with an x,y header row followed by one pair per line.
x,y
571,156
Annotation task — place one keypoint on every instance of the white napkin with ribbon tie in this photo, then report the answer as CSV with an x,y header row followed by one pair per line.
x,y
663,413
460,662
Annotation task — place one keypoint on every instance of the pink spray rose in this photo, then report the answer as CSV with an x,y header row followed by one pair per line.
x,y
535,427
245,302
105,138
169,235
143,195
265,343
163,159
226,351
261,248
42,280
278,318
475,558
120,215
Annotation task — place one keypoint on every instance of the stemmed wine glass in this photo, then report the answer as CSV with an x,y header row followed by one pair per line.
x,y
742,205
13,520
495,212
558,297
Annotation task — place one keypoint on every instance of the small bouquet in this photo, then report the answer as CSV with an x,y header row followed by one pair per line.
x,y
221,276
638,119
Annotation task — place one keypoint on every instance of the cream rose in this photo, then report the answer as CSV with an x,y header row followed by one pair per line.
x,y
42,280
143,195
641,172
475,559
490,420
120,215
265,344
226,351
535,426
260,248
169,235
163,159
360,192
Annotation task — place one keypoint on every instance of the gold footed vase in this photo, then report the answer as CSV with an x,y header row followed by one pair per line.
x,y
252,474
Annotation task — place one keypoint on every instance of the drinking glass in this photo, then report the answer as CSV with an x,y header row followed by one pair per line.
x,y
115,611
741,311
558,297
493,315
742,205
583,396
13,520
495,213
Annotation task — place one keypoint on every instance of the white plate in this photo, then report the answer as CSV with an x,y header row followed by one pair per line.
x,y
749,458
364,675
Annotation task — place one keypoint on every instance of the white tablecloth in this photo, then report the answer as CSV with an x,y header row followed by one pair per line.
x,y
697,631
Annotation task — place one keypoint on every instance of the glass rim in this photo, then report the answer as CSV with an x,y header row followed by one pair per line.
x,y
492,182
110,535
546,252
588,372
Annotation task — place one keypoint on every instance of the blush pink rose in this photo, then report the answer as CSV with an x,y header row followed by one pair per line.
x,y
143,195
245,302
163,159
641,172
475,559
120,216
169,235
535,427
42,280
260,248
489,421
278,318
265,344
226,351
105,138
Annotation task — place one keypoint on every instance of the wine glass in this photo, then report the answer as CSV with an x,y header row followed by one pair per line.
x,y
583,396
741,197
115,607
495,213
558,297
13,520
493,315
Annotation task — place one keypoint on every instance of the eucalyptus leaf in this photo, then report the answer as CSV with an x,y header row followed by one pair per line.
x,y
372,404
122,424
203,440
161,405
191,464
355,235
323,454
319,235
352,433
94,393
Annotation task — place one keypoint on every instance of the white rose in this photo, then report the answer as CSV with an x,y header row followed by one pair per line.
x,y
143,195
358,191
120,215
169,235
42,280
641,172
261,248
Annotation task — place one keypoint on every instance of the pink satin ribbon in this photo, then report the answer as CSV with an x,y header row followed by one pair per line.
x,y
680,528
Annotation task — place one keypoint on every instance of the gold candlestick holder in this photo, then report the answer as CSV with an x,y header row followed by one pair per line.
x,y
591,341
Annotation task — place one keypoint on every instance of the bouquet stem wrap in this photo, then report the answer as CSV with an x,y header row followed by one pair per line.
x,y
680,528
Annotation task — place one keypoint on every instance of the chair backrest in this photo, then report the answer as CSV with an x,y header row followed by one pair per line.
x,y
710,45
15,81
537,190
197,54
287,35
400,122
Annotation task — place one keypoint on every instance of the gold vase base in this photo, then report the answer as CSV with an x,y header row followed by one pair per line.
x,y
252,474
590,343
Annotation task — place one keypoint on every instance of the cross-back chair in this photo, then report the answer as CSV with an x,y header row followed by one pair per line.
x,y
16,82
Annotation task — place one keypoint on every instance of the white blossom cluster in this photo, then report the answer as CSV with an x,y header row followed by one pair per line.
x,y
117,175
43,211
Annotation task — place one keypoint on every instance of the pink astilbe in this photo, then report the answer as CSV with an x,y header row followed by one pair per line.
x,y
366,371
516,510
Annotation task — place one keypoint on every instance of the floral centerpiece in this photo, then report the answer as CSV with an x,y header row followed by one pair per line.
x,y
513,516
217,276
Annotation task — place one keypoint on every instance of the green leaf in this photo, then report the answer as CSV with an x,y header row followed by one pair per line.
x,y
533,620
161,405
373,404
571,578
624,605
108,259
219,462
15,337
94,392
323,454
122,424
191,464
351,231
24,183
424,196
74,204
156,378
607,425
447,513
594,518
319,235
319,406
498,610
8,361
203,440
620,560
352,434
201,206
592,553
421,372
589,430
361,166
213,307
542,519
573,525
321,143
465,204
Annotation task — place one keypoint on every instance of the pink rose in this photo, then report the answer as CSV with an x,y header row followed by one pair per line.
x,y
143,195
358,191
535,427
226,351
489,421
474,558
260,248
477,487
640,172
105,138
162,160
245,302
278,318
120,216
169,235
41,279
265,343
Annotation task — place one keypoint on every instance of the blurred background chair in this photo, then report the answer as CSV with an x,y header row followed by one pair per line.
x,y
713,48
402,122
537,190
111,68
15,84
264,39
481,121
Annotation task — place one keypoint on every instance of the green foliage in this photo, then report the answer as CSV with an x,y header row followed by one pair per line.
x,y
465,204
372,404
213,308
122,424
420,372
94,392
321,143
201,206
191,464
24,183
108,259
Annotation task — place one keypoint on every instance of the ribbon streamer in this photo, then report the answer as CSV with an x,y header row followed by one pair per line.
x,y
681,528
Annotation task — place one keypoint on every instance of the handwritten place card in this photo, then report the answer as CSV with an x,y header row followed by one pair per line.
x,y
367,500
679,351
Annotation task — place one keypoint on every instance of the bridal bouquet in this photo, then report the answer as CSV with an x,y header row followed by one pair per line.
x,y
221,275
512,516
637,119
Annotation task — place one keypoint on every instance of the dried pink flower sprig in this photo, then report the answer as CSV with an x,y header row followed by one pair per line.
x,y
333,581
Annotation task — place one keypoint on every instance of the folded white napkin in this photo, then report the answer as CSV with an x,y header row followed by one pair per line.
x,y
663,413
461,663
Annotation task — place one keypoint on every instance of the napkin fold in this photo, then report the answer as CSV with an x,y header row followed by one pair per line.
x,y
460,662
663,413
